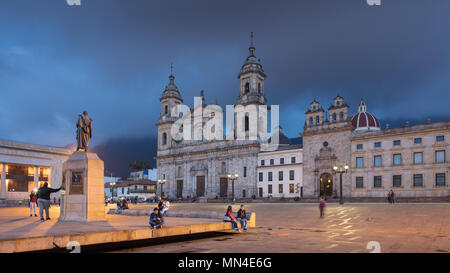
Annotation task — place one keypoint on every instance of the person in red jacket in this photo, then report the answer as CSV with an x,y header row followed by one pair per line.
x,y
33,201
230,218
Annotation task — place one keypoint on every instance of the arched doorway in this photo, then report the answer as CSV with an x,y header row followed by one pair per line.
x,y
326,184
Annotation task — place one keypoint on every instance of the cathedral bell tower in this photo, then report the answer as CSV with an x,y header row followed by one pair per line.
x,y
251,80
169,98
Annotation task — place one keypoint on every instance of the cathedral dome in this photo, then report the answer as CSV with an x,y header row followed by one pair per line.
x,y
364,120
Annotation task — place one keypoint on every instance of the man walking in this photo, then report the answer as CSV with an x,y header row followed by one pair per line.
x,y
43,196
322,205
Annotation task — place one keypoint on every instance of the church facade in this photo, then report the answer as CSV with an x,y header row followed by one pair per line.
x,y
199,168
410,160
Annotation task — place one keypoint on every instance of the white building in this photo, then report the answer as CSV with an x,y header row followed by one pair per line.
x,y
142,188
280,172
24,167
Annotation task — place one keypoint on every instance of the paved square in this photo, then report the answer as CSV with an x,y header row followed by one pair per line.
x,y
295,227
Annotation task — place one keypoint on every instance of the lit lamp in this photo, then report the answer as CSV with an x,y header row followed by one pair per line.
x,y
340,170
161,182
112,188
233,177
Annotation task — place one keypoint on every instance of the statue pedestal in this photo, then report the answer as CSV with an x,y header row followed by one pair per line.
x,y
83,179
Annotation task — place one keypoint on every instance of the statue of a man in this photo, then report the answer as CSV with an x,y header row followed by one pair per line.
x,y
84,131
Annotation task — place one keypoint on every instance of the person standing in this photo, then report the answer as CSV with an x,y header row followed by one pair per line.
x,y
389,197
392,196
242,217
322,205
43,197
33,200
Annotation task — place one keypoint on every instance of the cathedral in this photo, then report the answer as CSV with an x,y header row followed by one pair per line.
x,y
200,167
411,160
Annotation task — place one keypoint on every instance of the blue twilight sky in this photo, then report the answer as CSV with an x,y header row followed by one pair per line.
x,y
112,58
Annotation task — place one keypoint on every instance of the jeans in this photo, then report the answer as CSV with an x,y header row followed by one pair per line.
x,y
157,225
44,205
243,223
234,224
32,205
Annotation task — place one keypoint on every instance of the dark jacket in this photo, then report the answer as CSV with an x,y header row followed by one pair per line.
x,y
242,214
44,192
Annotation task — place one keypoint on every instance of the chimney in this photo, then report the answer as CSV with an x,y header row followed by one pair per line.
x,y
407,124
428,120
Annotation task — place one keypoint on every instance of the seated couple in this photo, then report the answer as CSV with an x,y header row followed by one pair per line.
x,y
156,219
242,217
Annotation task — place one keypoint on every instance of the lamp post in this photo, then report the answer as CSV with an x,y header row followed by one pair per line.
x,y
161,182
232,177
112,188
340,170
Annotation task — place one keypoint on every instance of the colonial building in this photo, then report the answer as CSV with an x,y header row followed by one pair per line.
x,y
140,188
199,168
25,167
280,172
411,160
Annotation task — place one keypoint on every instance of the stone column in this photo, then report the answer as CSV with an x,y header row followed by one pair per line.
x,y
36,177
3,186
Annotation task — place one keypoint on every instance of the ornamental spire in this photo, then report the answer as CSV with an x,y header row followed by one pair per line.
x,y
252,47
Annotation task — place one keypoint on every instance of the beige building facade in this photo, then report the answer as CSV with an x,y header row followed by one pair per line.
x,y
25,167
411,160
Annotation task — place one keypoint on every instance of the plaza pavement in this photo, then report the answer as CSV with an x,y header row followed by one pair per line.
x,y
16,223
348,228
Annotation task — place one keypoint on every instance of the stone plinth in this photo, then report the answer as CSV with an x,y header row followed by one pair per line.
x,y
83,177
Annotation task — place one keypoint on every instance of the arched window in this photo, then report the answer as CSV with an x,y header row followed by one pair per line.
x,y
164,138
341,116
317,120
259,87
247,87
247,125
311,121
334,117
166,109
338,103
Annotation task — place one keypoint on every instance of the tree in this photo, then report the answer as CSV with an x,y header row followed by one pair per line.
x,y
139,165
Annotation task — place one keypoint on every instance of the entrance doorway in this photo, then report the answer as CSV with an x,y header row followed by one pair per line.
x,y
260,192
200,186
223,187
326,184
180,188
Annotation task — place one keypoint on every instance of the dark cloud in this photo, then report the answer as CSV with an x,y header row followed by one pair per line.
x,y
112,57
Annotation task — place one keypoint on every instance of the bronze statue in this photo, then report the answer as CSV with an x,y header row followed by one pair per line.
x,y
84,131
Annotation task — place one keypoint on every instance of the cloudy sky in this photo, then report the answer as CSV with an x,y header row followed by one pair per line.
x,y
112,58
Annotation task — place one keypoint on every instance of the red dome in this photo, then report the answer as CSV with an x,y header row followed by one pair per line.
x,y
365,121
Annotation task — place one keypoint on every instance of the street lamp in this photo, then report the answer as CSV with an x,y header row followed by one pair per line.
x,y
232,177
112,188
161,182
340,170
